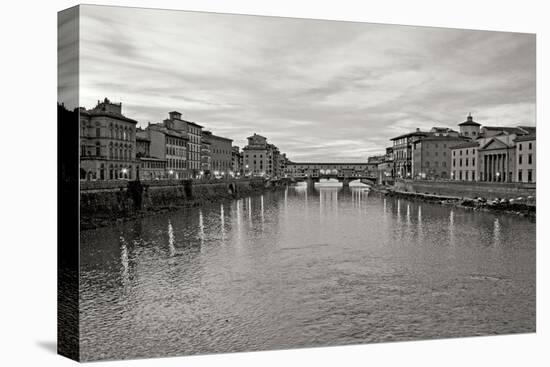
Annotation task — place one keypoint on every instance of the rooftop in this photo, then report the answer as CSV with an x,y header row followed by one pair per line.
x,y
469,122
466,144
528,137
508,130
414,133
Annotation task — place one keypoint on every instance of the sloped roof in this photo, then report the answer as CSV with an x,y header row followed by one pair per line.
x,y
495,141
505,129
526,137
466,144
469,122
414,133
529,129
99,112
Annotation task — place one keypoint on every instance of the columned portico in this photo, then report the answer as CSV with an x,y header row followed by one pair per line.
x,y
497,159
496,167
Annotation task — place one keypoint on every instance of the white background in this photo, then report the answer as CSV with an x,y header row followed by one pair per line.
x,y
28,179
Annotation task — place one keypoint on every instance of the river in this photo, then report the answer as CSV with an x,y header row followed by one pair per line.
x,y
300,268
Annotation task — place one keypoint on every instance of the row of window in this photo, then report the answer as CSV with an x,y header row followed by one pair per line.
x,y
177,151
466,161
175,141
529,159
217,165
115,172
435,153
521,146
176,163
122,151
467,151
464,175
529,175
435,164
432,145
116,131
221,151
153,164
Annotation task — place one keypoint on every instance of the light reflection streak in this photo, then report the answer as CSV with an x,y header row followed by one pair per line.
x,y
171,239
201,228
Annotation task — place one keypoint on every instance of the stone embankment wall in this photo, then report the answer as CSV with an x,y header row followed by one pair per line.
x,y
488,190
105,202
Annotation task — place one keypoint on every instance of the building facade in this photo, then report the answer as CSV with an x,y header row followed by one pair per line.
x,y
255,156
107,143
149,168
465,161
170,145
206,154
526,164
403,152
432,157
193,132
221,153
237,161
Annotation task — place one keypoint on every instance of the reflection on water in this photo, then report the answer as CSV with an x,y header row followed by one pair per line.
x,y
303,267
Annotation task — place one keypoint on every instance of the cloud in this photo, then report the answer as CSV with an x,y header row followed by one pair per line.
x,y
319,90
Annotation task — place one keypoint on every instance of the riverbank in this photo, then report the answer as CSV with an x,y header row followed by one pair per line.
x,y
107,203
523,207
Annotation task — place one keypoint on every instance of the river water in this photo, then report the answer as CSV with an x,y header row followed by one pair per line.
x,y
300,268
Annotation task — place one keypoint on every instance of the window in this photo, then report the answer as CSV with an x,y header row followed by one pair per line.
x,y
530,159
529,175
473,161
530,146
97,149
520,146
460,162
520,158
466,162
460,175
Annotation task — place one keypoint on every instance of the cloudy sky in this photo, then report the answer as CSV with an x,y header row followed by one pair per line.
x,y
320,90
